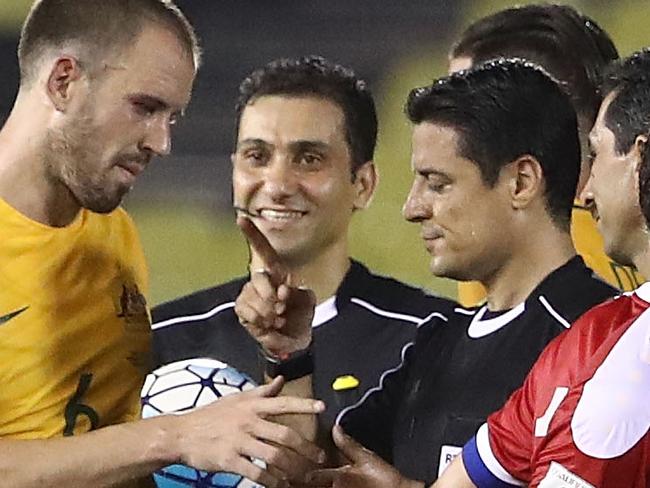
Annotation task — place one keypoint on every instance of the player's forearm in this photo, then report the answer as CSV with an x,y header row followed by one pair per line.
x,y
309,427
406,483
106,457
305,425
455,476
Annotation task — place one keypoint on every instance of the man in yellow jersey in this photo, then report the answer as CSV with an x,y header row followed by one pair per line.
x,y
102,81
574,49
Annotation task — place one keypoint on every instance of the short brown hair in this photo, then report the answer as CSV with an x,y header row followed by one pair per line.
x,y
569,45
96,26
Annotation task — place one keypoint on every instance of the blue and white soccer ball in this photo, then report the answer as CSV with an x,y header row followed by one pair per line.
x,y
181,386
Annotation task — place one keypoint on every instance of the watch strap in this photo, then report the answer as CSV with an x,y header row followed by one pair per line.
x,y
292,366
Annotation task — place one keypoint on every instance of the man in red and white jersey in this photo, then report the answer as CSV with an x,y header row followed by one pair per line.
x,y
581,418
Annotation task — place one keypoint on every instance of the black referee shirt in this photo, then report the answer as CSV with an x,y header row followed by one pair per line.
x,y
361,332
463,367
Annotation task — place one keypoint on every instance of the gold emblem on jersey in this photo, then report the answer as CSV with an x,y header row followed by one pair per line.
x,y
133,310
133,307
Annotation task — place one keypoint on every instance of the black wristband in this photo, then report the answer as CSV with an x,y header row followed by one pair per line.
x,y
294,366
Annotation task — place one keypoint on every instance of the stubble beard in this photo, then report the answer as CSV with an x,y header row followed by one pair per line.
x,y
71,160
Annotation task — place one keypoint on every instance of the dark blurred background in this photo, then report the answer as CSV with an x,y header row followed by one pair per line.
x,y
182,203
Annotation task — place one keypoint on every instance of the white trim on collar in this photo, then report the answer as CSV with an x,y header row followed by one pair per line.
x,y
480,328
325,311
643,292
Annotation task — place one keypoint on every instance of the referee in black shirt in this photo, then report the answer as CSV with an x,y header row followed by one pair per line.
x,y
496,161
302,167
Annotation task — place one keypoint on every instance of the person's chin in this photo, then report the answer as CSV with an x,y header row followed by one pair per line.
x,y
440,267
447,267
617,254
106,204
286,245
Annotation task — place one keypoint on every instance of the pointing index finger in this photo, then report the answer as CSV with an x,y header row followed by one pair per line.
x,y
261,246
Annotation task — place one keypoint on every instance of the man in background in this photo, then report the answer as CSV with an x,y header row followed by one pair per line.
x,y
581,417
574,49
302,169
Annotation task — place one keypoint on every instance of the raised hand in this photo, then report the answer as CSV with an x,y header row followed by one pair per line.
x,y
225,435
275,311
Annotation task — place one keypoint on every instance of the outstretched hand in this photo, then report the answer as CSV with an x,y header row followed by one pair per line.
x,y
276,312
227,434
365,469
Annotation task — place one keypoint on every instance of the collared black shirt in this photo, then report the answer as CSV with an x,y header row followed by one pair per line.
x,y
462,368
360,332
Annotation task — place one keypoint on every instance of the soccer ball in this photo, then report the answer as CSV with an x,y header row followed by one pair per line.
x,y
182,386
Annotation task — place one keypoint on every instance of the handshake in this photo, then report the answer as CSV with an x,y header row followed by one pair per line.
x,y
275,423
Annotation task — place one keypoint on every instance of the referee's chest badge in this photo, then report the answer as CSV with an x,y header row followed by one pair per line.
x,y
346,382
346,391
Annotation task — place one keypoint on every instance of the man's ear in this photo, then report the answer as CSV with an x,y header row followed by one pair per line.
x,y
637,156
639,151
525,180
365,179
65,72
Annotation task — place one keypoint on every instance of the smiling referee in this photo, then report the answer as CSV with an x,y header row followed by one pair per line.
x,y
302,167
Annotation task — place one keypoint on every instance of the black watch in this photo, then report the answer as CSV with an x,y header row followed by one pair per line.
x,y
291,367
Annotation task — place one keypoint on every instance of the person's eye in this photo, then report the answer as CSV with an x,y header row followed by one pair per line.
x,y
591,157
311,160
436,185
254,157
143,108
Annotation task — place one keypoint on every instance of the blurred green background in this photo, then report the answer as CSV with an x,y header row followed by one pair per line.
x,y
191,245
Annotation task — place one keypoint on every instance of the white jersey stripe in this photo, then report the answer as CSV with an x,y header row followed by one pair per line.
x,y
376,388
480,327
643,292
193,318
324,312
388,371
432,315
464,311
491,463
565,323
386,313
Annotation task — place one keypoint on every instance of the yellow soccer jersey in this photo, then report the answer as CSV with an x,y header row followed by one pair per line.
x,y
74,327
589,244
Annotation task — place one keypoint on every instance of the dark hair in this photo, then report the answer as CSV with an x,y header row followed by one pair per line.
x,y
316,76
504,109
628,114
95,27
569,45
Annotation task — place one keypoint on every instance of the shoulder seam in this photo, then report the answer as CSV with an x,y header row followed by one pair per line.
x,y
394,315
192,318
377,388
554,313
